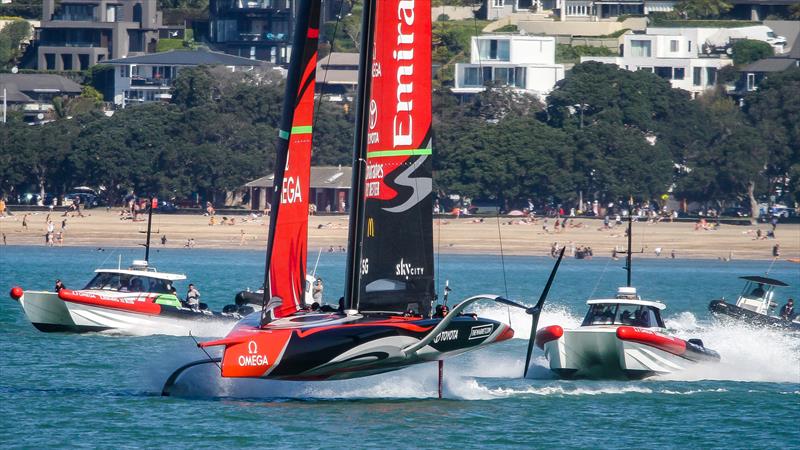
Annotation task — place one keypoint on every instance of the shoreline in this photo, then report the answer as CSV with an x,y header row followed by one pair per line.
x,y
466,235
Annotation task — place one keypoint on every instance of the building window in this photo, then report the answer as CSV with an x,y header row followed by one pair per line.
x,y
679,73
50,61
494,49
673,46
123,71
751,82
664,72
696,75
646,69
497,3
711,76
504,76
640,49
472,77
689,48
519,77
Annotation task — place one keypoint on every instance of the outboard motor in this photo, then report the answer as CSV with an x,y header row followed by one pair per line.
x,y
697,342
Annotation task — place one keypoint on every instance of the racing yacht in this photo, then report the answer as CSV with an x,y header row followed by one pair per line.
x,y
755,305
620,337
385,319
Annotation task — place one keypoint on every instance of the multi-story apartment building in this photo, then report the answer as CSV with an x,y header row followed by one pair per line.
x,y
679,55
526,63
77,34
255,29
590,10
149,78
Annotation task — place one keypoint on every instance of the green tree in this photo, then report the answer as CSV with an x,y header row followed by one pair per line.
x,y
702,9
11,37
746,51
732,164
193,87
774,110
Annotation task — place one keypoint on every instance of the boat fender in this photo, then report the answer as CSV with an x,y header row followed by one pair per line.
x,y
16,293
203,306
547,334
230,309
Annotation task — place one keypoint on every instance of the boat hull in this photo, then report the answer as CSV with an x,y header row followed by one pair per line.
x,y
48,313
722,309
619,353
138,314
336,347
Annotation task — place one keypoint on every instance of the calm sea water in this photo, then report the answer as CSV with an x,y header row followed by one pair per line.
x,y
97,390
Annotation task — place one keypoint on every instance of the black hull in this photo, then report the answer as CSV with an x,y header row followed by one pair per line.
x,y
54,328
726,310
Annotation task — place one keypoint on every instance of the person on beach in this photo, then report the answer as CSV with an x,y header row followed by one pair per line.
x,y
787,311
163,240
776,250
64,225
25,222
193,297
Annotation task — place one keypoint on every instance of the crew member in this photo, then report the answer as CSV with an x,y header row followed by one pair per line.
x,y
758,292
59,285
787,312
193,297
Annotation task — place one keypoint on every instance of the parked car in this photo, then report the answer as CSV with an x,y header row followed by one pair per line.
x,y
484,208
738,211
86,200
166,207
782,211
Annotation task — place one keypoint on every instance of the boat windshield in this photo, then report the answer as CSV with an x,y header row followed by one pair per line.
x,y
129,283
622,314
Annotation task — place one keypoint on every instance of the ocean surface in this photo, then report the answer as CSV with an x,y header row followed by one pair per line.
x,y
100,390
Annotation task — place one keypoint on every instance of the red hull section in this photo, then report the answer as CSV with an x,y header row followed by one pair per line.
x,y
548,334
143,304
652,338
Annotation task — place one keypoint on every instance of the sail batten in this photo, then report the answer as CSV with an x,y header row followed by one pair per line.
x,y
287,243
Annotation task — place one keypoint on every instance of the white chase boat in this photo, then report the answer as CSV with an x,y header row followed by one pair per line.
x,y
621,337
138,300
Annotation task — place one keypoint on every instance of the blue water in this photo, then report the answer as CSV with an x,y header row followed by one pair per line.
x,y
97,390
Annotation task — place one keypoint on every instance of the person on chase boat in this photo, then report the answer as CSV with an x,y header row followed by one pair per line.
x,y
787,312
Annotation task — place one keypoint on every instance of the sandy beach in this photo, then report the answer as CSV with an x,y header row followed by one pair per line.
x,y
101,228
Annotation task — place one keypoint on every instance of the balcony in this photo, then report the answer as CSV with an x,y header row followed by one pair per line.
x,y
265,37
143,82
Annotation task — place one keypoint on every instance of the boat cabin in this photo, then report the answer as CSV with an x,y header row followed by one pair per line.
x,y
138,278
626,309
758,293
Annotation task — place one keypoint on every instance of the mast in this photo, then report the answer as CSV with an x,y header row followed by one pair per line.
x,y
149,225
288,228
630,241
390,265
355,229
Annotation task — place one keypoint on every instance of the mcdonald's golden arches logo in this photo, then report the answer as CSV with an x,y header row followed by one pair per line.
x,y
370,227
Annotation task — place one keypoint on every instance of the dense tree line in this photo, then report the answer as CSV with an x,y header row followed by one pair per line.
x,y
605,133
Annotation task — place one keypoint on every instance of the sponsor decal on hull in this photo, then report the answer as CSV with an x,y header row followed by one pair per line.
x,y
481,331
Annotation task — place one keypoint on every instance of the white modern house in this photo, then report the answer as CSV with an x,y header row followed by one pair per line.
x,y
525,63
680,55
578,10
149,78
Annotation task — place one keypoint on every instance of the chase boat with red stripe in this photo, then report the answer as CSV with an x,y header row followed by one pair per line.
x,y
384,321
136,301
623,337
